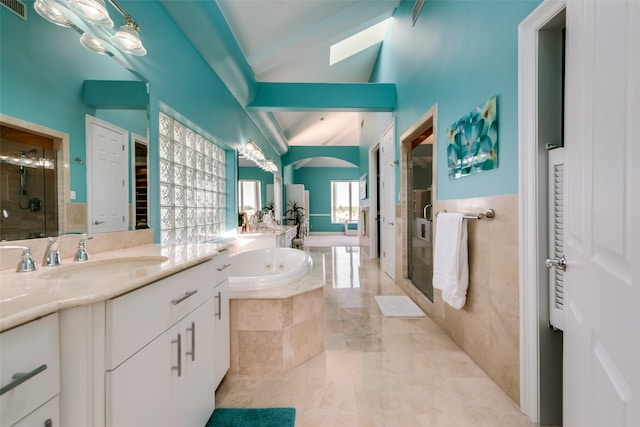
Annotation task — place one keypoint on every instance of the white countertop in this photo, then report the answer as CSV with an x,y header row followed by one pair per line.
x,y
28,296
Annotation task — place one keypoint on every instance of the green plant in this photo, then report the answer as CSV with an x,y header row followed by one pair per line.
x,y
270,206
295,213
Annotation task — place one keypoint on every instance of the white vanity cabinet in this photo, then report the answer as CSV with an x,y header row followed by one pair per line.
x,y
222,319
160,351
151,357
30,374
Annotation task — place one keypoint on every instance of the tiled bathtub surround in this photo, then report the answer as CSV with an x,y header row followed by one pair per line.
x,y
271,335
487,327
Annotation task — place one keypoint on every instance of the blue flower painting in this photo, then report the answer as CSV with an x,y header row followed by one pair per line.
x,y
473,141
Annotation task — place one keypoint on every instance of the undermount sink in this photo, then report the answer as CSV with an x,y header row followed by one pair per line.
x,y
131,266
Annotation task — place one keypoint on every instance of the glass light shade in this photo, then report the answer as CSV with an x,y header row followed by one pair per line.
x,y
51,13
128,40
92,44
93,11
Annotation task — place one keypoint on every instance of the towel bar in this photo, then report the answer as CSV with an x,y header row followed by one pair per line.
x,y
490,214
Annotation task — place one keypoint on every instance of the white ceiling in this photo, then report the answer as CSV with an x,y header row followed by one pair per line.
x,y
290,40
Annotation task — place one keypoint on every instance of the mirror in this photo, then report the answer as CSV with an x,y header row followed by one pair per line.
x,y
44,98
248,171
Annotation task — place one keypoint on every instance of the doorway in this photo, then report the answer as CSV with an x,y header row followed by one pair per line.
x,y
418,196
543,223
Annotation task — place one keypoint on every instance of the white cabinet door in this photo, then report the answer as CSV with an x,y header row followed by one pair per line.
x,y
197,387
222,331
144,390
48,415
171,380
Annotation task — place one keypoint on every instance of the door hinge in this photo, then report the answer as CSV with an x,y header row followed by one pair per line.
x,y
122,218
123,182
122,147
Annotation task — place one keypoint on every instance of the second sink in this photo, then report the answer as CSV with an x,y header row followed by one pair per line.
x,y
131,266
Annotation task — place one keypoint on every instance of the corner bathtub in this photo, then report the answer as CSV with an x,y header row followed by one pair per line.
x,y
268,268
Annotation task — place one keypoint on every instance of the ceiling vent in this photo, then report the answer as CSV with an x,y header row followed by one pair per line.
x,y
417,7
16,6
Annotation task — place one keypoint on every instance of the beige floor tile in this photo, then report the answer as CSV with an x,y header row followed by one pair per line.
x,y
376,371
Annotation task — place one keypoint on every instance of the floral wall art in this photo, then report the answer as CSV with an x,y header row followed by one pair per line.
x,y
473,141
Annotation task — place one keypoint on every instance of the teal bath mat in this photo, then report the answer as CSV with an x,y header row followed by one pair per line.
x,y
252,417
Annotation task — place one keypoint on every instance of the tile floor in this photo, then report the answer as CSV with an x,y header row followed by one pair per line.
x,y
376,371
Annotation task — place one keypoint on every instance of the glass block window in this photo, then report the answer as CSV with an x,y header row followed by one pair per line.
x,y
192,184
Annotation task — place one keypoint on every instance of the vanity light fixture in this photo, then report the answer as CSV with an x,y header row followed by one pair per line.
x,y
252,152
94,13
270,166
128,39
92,44
52,12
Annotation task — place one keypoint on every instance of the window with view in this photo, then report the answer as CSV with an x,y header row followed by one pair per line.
x,y
249,196
344,201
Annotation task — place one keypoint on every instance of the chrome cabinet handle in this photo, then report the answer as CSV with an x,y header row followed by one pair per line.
x,y
224,267
96,222
179,367
20,377
560,263
219,297
184,297
192,353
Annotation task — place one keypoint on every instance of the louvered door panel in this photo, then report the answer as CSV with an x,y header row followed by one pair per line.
x,y
557,188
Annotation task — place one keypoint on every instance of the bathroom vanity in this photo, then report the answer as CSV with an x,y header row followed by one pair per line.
x,y
136,337
279,237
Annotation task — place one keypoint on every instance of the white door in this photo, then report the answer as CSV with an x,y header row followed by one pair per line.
x,y
387,202
602,320
107,176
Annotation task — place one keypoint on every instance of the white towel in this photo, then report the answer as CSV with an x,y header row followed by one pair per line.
x,y
451,265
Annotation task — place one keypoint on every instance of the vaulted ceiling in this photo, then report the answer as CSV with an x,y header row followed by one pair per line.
x,y
290,41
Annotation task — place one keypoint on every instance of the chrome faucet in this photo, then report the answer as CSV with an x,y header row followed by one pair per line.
x,y
27,263
52,253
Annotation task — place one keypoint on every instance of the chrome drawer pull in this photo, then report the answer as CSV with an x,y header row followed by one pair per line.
x,y
219,297
184,297
20,377
192,353
224,267
179,367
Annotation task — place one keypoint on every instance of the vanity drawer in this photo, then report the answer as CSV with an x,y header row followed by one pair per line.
x,y
32,351
135,319
221,265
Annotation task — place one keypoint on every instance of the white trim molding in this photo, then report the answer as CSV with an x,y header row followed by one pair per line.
x,y
528,189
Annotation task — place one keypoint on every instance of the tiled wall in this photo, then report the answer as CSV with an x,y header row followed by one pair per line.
x,y
487,327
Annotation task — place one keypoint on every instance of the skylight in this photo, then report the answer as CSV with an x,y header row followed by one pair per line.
x,y
358,42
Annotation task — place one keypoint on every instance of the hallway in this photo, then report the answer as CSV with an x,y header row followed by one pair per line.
x,y
376,371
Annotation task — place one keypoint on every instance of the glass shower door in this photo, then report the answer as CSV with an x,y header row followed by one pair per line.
x,y
421,211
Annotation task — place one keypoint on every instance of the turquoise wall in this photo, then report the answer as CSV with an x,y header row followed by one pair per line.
x,y
318,182
458,54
